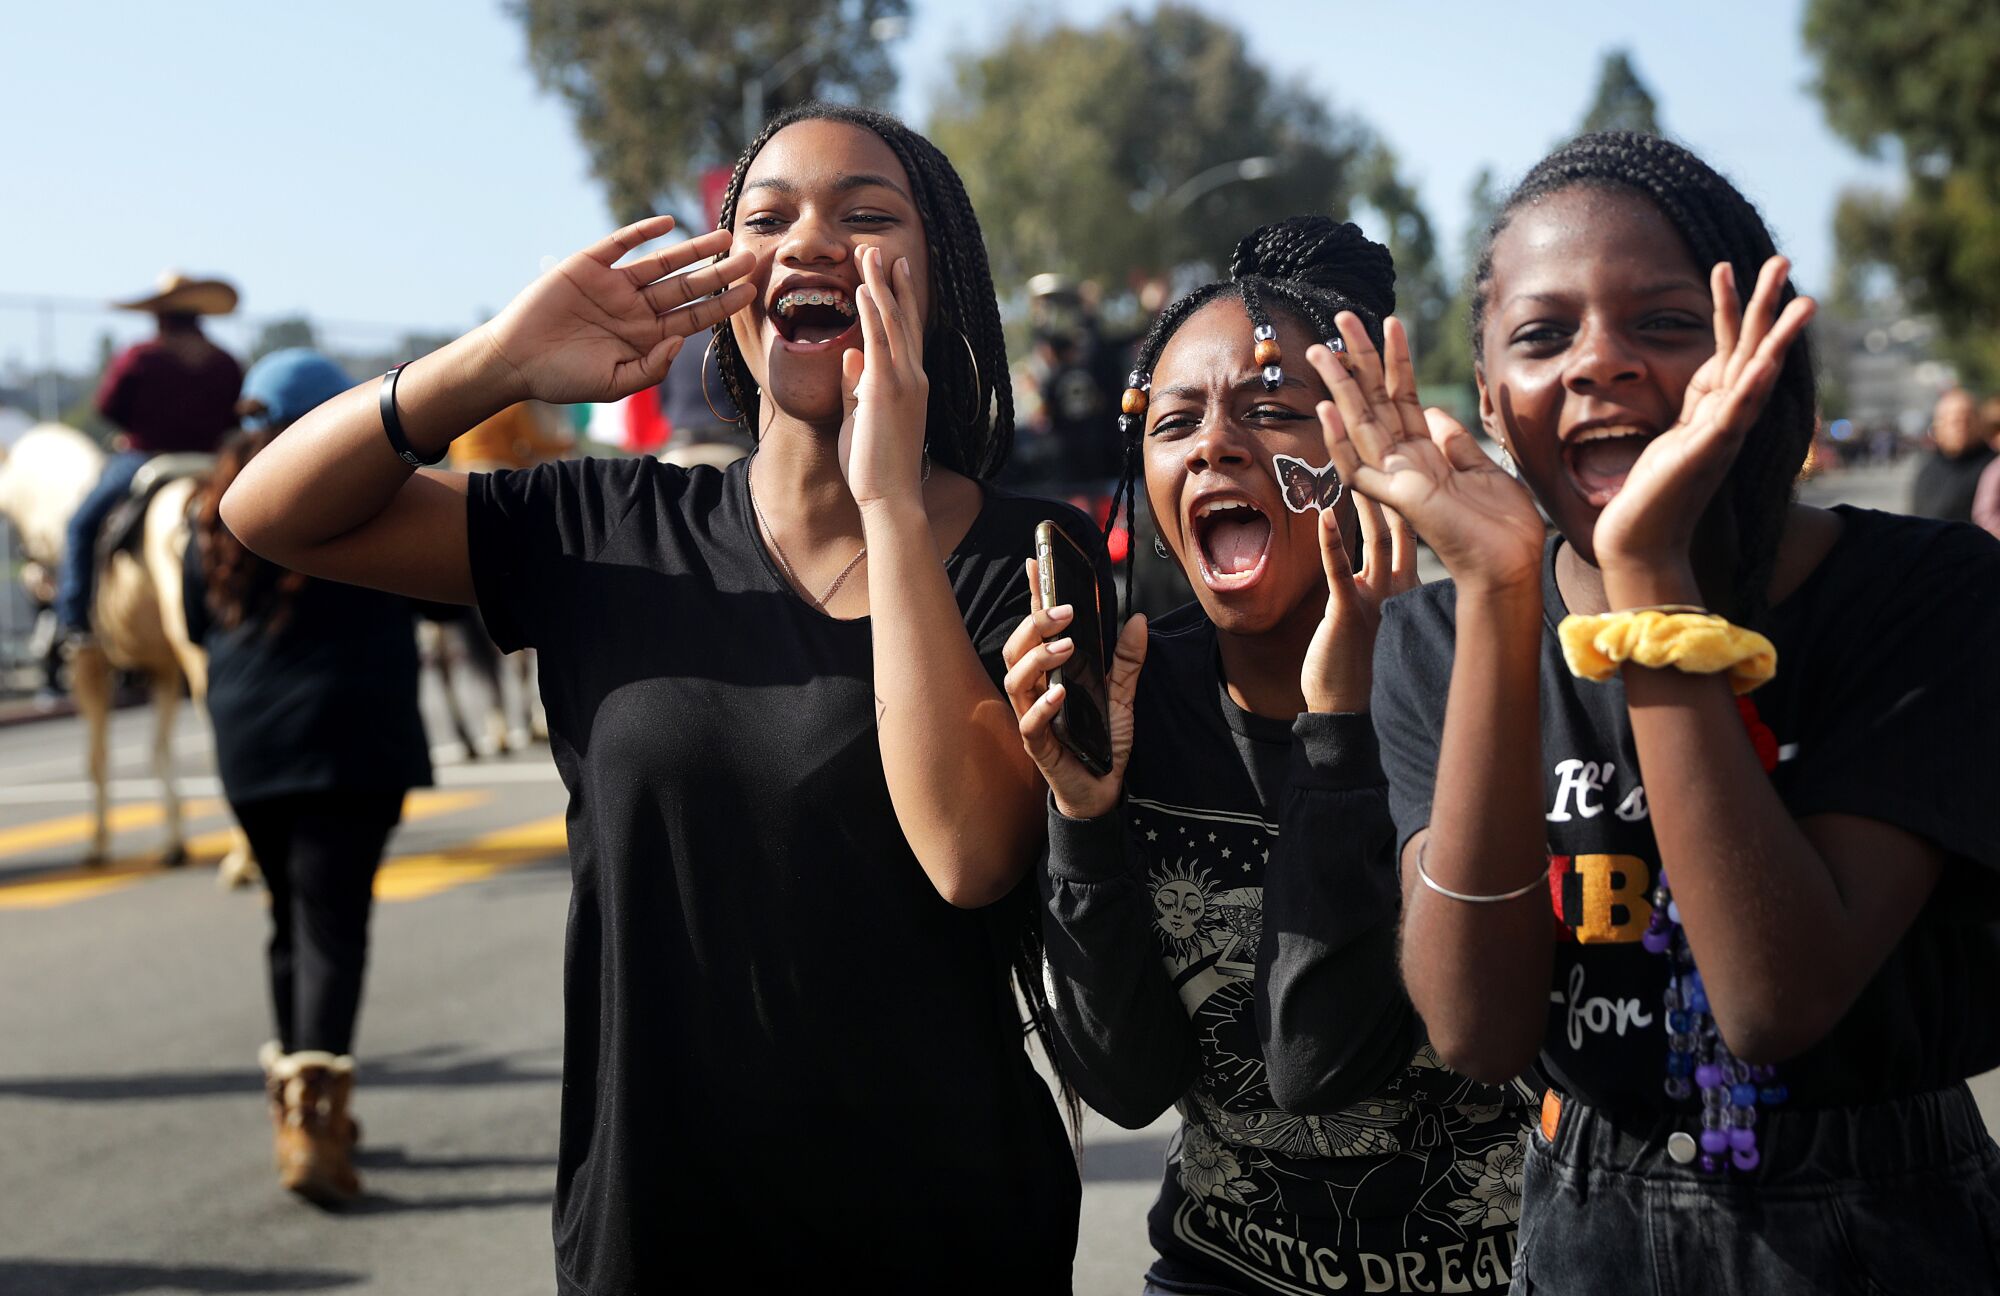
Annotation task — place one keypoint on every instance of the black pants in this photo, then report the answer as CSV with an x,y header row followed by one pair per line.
x,y
319,852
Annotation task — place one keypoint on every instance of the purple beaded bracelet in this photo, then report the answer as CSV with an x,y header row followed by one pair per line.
x,y
1731,1089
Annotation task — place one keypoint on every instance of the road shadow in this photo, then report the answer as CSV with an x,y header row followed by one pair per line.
x,y
1137,1160
374,1203
421,1068
118,1277
397,1158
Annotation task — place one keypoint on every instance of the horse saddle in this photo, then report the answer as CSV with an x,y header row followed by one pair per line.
x,y
127,522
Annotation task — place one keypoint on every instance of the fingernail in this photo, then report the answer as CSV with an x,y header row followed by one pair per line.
x,y
1061,645
1062,612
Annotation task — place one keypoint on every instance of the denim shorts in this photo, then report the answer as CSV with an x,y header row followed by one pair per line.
x,y
1895,1197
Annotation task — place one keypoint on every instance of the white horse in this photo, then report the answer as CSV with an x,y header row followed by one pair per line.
x,y
140,623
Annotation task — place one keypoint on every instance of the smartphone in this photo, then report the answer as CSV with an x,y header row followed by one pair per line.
x,y
1068,576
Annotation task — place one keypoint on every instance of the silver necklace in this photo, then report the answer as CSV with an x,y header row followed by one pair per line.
x,y
778,550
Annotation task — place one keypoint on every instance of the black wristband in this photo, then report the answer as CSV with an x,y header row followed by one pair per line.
x,y
392,424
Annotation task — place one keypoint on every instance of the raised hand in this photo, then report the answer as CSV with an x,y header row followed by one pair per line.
x,y
1338,670
1038,645
884,387
1481,522
590,329
1651,521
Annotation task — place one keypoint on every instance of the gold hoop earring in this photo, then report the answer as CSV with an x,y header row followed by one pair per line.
x,y
706,398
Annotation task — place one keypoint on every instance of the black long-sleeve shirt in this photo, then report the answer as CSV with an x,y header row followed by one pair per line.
x,y
1226,942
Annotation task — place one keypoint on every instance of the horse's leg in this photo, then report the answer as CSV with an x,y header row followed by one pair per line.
x,y
90,681
167,700
531,695
434,647
483,657
533,723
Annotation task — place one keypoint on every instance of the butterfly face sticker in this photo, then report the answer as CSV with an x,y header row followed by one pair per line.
x,y
1304,486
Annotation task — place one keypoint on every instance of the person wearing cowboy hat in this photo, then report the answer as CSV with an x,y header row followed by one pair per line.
x,y
174,392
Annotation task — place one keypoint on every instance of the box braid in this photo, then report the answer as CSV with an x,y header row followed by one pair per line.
x,y
1718,224
970,424
1311,267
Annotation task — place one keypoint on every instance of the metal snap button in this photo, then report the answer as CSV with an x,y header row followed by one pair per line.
x,y
1682,1148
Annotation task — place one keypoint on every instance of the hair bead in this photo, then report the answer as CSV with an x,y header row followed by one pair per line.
x,y
1267,352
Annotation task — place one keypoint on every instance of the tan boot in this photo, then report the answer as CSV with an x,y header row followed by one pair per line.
x,y
315,1134
271,1057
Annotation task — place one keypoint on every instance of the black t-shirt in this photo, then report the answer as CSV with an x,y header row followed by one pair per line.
x,y
317,693
1226,942
1886,705
788,1062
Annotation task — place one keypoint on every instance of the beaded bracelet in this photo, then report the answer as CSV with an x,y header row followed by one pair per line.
x,y
1698,1059
1688,639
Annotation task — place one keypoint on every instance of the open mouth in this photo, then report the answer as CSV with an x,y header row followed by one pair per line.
x,y
813,318
1232,539
1599,459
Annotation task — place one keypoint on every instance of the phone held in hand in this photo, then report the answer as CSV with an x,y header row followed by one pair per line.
x,y
1083,726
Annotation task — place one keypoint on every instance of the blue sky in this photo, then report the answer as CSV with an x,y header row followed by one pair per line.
x,y
393,163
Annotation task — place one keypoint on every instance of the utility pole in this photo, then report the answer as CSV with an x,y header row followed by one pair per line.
x,y
49,399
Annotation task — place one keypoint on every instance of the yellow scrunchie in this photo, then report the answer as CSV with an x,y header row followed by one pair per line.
x,y
1699,643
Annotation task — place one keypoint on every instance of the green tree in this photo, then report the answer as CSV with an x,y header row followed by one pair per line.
x,y
1622,102
1920,75
1482,202
1423,295
656,86
1104,151
1445,369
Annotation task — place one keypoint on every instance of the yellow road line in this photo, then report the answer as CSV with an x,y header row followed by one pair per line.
x,y
62,886
63,890
77,828
413,877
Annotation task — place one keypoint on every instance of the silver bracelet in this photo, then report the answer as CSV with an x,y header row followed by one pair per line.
x,y
1424,876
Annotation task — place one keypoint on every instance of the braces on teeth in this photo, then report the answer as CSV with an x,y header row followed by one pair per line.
x,y
791,301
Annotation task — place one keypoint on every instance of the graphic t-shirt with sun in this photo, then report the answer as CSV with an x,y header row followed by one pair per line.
x,y
1252,868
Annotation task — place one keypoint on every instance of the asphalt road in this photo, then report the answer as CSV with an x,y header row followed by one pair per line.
x,y
134,1153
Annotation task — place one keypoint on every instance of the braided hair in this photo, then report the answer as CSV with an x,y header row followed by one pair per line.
x,y
1717,223
1311,267
970,422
